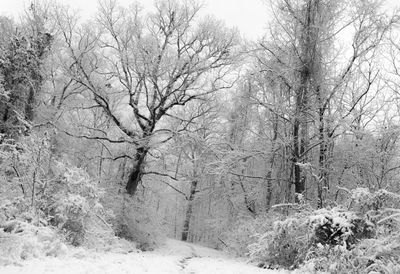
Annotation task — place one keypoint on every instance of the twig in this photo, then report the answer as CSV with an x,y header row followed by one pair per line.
x,y
104,221
177,190
219,239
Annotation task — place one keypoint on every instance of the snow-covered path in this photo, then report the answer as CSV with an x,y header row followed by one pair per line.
x,y
174,257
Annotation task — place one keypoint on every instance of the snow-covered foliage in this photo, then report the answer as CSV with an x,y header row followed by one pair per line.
x,y
139,224
24,164
4,94
337,240
51,194
284,244
365,201
338,227
380,255
21,240
73,204
243,233
17,208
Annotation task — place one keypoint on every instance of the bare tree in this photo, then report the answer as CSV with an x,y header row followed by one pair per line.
x,y
301,63
137,68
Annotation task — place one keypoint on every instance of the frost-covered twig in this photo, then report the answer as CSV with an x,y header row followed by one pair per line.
x,y
391,217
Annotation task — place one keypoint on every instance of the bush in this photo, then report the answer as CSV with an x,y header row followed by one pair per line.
x,y
373,242
283,246
362,240
363,201
72,204
20,241
138,223
369,256
70,201
338,227
240,235
17,208
299,237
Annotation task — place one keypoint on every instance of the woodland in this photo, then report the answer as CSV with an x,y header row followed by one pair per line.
x,y
145,125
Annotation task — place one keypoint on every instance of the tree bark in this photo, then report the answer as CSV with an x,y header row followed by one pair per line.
x,y
298,146
136,174
271,162
249,203
308,75
189,211
30,104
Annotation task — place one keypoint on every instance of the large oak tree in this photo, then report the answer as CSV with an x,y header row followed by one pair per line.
x,y
137,68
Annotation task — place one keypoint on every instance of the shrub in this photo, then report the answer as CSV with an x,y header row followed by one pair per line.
x,y
283,246
299,237
72,203
137,222
374,246
364,201
339,227
240,235
17,208
369,256
20,241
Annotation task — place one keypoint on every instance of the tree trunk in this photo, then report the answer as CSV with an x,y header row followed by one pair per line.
x,y
271,162
30,105
322,160
136,174
189,211
300,131
249,202
299,185
308,76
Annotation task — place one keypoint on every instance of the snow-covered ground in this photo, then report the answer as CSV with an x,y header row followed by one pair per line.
x,y
174,257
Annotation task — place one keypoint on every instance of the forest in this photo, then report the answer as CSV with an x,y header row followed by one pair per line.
x,y
134,126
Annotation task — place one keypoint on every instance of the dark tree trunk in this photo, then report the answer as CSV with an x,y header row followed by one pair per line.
x,y
271,162
322,178
299,182
189,211
136,174
300,131
307,77
325,155
30,105
249,202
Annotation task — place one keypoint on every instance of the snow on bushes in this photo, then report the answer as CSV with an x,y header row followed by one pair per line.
x,y
369,256
339,227
362,200
72,202
293,239
362,238
52,193
283,246
377,249
20,241
138,223
67,208
18,207
238,236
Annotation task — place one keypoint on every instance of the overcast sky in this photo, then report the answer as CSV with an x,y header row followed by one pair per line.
x,y
249,16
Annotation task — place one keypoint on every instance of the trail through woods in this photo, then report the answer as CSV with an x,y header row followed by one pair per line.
x,y
174,257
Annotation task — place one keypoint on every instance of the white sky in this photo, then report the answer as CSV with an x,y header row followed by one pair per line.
x,y
249,16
